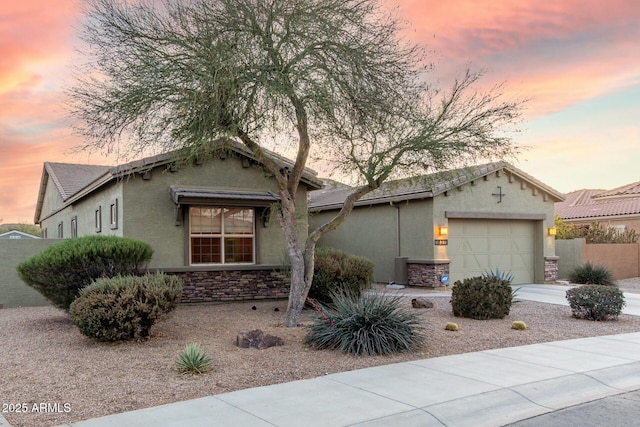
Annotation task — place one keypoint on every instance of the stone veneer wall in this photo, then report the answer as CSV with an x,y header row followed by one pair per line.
x,y
425,273
232,285
551,269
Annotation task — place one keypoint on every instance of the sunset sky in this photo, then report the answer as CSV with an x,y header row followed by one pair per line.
x,y
578,61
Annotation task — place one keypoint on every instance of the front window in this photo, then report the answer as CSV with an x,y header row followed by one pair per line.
x,y
221,235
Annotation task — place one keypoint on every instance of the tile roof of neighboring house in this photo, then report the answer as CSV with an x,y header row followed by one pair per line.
x,y
332,196
74,181
594,204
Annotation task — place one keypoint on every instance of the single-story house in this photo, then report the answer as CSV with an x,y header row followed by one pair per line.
x,y
425,230
618,208
15,234
209,219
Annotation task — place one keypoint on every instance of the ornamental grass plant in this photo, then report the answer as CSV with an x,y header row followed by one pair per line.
x,y
365,325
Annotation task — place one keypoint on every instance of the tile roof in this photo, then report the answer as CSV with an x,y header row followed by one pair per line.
x,y
74,181
420,187
592,204
70,178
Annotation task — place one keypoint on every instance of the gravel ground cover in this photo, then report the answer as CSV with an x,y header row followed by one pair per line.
x,y
55,375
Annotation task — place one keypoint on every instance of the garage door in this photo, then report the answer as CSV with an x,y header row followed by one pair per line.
x,y
477,246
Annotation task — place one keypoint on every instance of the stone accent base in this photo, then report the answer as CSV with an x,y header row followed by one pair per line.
x,y
232,285
550,269
427,274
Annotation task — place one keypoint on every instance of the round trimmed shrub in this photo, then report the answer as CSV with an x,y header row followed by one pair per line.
x,y
366,325
335,270
125,307
589,274
61,270
596,302
450,326
481,298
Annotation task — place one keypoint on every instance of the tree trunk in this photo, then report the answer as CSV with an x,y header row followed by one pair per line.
x,y
299,288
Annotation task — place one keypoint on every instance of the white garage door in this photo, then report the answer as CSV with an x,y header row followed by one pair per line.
x,y
477,246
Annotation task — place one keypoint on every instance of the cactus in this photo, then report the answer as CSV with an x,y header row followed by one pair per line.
x,y
450,326
519,325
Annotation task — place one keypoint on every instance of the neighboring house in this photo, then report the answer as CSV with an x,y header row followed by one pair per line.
x,y
15,234
209,220
459,224
618,208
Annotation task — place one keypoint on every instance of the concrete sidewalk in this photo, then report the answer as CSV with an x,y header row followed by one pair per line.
x,y
487,388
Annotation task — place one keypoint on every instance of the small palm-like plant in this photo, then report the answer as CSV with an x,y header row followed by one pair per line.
x,y
589,274
193,360
365,325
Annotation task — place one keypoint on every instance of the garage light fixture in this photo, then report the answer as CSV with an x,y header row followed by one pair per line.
x,y
552,231
444,231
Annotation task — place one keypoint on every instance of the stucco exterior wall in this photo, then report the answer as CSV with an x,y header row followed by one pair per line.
x,y
149,213
409,229
354,236
85,211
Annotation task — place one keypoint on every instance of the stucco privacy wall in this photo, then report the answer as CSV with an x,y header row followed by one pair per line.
x,y
623,259
13,291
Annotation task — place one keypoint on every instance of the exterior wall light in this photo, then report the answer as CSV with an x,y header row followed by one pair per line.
x,y
552,231
444,231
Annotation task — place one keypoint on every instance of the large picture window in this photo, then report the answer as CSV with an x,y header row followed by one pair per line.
x,y
221,235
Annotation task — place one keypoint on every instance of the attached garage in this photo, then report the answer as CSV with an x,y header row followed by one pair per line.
x,y
434,230
479,245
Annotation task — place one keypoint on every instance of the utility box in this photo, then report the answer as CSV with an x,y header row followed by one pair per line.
x,y
401,276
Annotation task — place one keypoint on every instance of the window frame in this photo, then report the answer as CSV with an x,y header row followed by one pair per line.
x,y
61,230
98,219
221,235
74,226
113,215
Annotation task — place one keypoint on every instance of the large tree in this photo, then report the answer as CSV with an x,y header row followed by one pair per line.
x,y
324,76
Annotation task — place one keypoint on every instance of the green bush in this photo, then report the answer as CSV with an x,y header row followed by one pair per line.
x,y
365,325
193,360
481,298
595,302
125,307
61,270
335,270
589,274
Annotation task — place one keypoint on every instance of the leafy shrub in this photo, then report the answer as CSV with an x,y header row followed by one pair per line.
x,y
596,302
193,360
519,325
589,274
61,270
365,325
335,270
481,298
125,307
450,326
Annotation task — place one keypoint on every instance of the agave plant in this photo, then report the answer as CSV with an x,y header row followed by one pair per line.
x,y
193,360
506,276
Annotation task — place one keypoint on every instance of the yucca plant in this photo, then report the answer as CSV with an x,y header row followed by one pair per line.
x,y
193,360
589,274
365,325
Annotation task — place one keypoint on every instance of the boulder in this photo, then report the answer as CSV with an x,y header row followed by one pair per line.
x,y
257,339
421,303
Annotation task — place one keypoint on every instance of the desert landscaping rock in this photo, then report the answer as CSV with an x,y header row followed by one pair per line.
x,y
257,339
45,359
421,303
